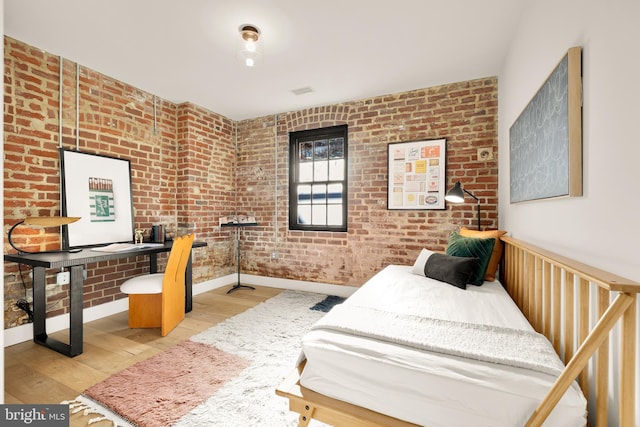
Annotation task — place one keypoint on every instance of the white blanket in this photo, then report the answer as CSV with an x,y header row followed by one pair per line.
x,y
513,347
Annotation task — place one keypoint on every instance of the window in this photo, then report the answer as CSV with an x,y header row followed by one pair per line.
x,y
318,179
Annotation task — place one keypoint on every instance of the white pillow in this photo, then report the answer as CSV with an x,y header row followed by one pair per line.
x,y
421,261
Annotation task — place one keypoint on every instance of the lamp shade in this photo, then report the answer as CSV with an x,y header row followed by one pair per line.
x,y
50,221
42,221
455,195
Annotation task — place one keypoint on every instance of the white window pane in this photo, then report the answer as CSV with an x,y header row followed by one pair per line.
x,y
321,150
336,148
319,193
320,171
334,214
318,178
336,170
335,193
319,215
306,151
304,214
305,172
304,194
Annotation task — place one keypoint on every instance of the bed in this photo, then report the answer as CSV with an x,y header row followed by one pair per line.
x,y
368,371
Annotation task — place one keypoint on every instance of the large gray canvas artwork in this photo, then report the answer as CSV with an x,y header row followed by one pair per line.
x,y
539,145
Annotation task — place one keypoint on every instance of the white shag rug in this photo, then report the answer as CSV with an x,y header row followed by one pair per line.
x,y
269,337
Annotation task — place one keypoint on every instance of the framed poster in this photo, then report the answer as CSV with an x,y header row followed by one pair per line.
x,y
545,141
416,175
97,189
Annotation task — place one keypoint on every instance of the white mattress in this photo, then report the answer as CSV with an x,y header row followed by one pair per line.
x,y
426,388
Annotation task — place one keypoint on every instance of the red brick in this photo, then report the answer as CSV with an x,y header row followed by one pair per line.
x,y
188,174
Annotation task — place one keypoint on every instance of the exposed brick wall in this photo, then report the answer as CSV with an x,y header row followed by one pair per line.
x,y
171,155
186,173
465,114
206,190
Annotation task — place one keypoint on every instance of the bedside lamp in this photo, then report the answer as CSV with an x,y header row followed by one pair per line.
x,y
42,221
456,195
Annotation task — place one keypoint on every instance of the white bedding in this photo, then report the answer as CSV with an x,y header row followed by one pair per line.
x,y
429,388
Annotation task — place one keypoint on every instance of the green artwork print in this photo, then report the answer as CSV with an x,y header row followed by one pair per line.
x,y
101,203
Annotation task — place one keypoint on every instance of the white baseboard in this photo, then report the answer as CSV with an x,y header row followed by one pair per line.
x,y
298,285
24,333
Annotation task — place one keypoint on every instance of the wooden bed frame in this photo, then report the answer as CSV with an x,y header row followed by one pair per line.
x,y
556,294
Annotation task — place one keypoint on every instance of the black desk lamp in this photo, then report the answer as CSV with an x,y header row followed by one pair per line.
x,y
456,195
42,221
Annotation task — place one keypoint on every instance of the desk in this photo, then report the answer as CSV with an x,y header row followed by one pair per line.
x,y
75,262
238,226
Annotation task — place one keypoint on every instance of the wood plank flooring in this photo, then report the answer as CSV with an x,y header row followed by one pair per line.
x,y
35,374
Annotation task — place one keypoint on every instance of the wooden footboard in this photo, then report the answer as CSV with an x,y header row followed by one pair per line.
x,y
558,295
312,405
574,305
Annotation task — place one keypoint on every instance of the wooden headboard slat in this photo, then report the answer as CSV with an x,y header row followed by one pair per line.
x,y
602,368
583,329
595,275
539,305
569,299
628,364
580,360
554,293
546,298
557,310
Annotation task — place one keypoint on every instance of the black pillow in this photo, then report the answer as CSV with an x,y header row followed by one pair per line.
x,y
455,270
472,247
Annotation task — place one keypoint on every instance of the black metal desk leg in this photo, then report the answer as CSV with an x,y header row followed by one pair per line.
x,y
39,304
40,336
238,285
75,310
188,286
153,263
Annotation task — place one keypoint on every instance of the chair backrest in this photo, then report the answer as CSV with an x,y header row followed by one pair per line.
x,y
173,292
177,262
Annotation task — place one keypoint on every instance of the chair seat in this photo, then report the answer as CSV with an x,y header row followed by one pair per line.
x,y
144,284
158,300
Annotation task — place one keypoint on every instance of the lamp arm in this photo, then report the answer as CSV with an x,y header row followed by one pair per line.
x,y
477,200
22,251
9,236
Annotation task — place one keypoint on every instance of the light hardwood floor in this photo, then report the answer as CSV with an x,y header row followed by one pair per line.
x,y
35,374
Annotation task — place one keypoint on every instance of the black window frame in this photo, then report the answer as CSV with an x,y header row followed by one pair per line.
x,y
295,138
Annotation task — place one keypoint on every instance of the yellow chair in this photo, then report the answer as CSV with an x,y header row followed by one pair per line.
x,y
157,300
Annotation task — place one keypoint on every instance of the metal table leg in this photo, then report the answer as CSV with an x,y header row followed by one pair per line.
x,y
40,336
239,285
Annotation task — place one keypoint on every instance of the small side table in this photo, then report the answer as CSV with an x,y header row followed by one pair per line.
x,y
238,226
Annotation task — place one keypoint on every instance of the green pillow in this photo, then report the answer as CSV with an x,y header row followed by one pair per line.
x,y
475,248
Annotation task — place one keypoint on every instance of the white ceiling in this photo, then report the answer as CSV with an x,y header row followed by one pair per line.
x,y
342,49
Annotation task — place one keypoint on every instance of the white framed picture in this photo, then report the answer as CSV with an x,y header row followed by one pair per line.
x,y
97,189
416,175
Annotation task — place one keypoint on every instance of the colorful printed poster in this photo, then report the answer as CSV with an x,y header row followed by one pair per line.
x,y
416,175
101,200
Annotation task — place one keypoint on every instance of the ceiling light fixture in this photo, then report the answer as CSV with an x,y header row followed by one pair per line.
x,y
250,51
